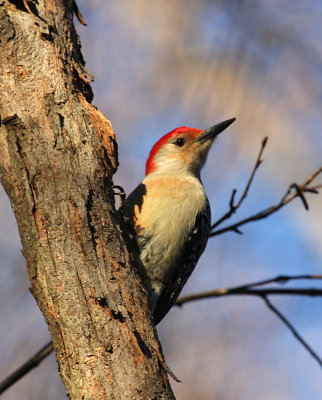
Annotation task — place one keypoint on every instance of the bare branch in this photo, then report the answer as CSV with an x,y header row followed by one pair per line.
x,y
234,207
293,330
26,367
282,279
293,191
248,289
259,160
251,290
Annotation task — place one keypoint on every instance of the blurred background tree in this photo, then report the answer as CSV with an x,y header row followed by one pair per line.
x,y
159,65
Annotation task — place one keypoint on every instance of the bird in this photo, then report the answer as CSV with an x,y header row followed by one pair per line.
x,y
170,215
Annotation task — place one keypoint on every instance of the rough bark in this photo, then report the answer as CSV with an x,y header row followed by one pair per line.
x,y
57,159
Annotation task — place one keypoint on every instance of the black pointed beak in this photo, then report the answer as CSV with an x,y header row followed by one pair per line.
x,y
212,132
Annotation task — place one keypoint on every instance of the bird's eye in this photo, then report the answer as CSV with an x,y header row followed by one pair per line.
x,y
179,142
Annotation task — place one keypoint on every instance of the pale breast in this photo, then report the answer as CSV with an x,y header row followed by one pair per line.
x,y
163,212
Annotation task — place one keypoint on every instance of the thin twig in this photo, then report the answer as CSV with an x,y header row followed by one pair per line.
x,y
282,279
293,191
26,367
258,162
313,176
249,292
248,289
292,329
233,207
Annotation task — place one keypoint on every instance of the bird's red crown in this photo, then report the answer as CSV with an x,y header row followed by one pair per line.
x,y
182,130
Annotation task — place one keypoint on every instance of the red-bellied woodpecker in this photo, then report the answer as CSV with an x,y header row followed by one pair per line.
x,y
170,213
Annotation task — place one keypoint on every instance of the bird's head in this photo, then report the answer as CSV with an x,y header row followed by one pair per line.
x,y
183,150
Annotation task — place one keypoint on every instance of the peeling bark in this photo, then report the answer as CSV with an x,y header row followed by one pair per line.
x,y
57,157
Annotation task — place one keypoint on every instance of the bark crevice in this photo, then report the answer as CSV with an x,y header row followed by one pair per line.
x,y
58,154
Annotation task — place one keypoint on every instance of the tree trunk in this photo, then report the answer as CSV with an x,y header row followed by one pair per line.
x,y
57,158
